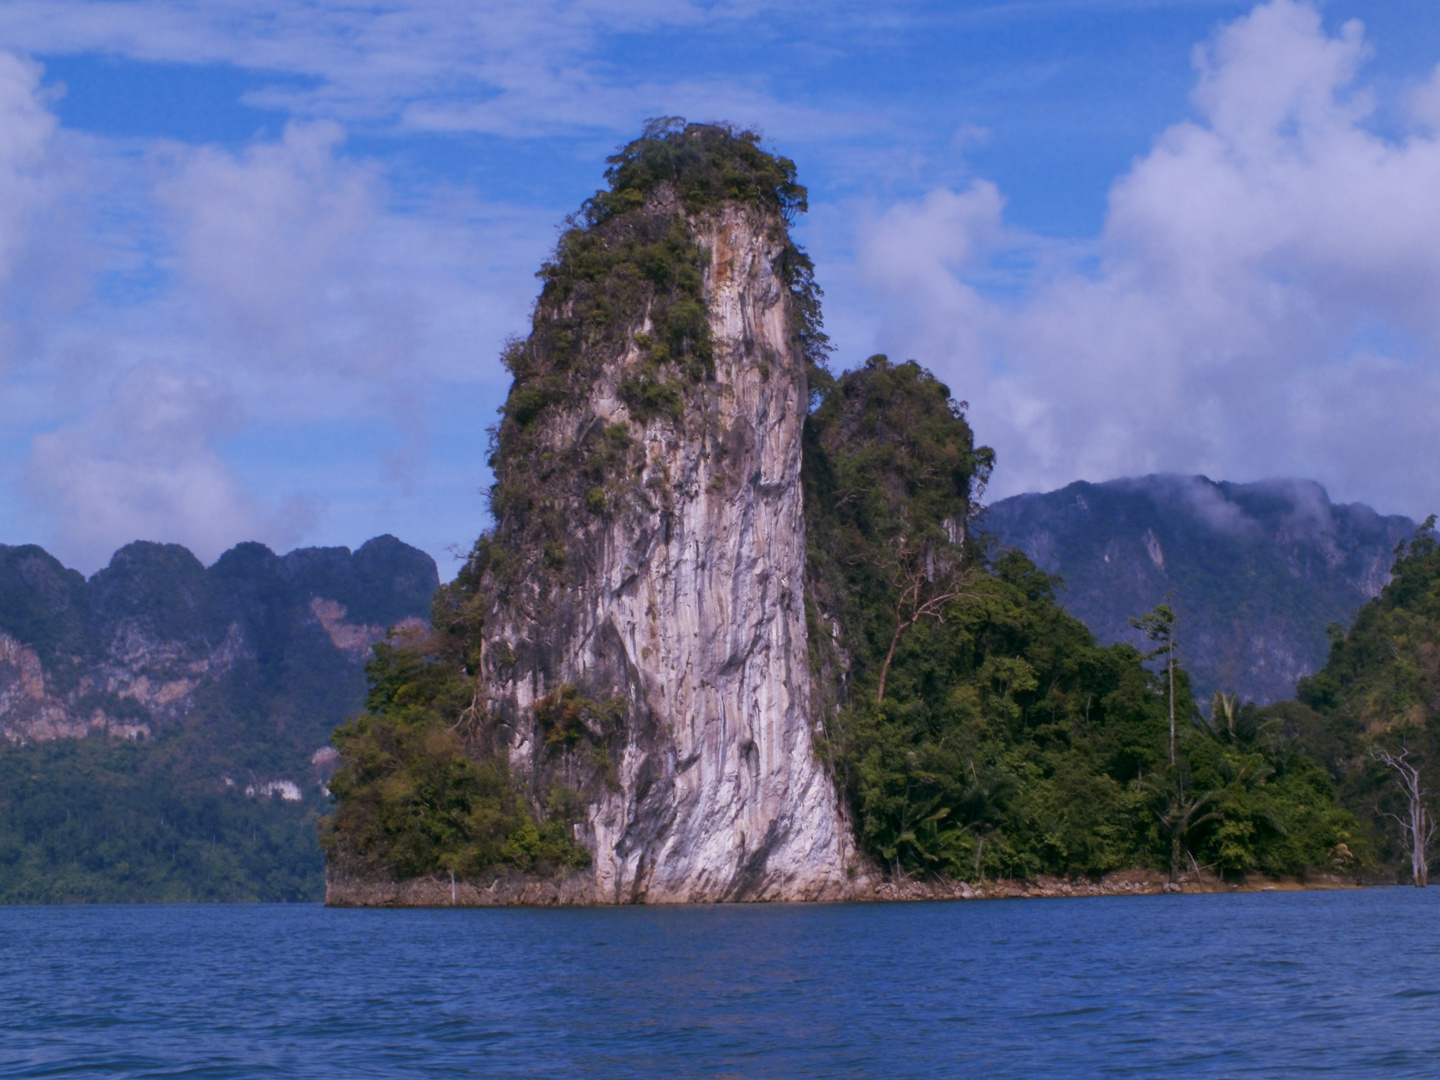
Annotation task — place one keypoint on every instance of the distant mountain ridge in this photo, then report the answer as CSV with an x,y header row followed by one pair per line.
x,y
1256,571
211,694
156,639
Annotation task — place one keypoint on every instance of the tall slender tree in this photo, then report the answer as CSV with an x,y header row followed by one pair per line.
x,y
1159,627
1418,825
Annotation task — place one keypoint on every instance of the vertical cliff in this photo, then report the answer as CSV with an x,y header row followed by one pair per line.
x,y
640,605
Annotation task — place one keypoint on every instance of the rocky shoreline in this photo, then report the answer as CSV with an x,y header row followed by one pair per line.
x,y
1117,883
513,889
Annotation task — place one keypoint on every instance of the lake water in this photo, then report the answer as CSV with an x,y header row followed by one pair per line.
x,y
1267,985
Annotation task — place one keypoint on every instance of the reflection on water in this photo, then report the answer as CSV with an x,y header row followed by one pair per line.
x,y
1266,985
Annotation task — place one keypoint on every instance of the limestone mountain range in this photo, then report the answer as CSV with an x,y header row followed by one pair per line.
x,y
256,658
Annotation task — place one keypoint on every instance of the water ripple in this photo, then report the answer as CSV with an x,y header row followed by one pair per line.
x,y
1275,985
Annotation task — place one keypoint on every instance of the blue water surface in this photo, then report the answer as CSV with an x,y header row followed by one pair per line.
x,y
1345,984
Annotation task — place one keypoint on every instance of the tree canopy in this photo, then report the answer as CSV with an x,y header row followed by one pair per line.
x,y
1007,741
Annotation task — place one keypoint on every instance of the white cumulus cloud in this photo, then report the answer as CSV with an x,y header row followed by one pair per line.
x,y
1264,297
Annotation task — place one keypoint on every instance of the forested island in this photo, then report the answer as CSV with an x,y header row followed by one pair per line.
x,y
971,729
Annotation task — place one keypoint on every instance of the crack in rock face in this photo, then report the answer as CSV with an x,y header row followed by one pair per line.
x,y
692,611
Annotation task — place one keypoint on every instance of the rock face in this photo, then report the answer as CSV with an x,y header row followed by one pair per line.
x,y
1255,571
258,656
690,612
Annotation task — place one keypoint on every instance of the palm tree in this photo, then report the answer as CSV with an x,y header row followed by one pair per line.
x,y
1224,707
1185,811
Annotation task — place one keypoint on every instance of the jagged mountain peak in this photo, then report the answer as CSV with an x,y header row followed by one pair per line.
x,y
157,641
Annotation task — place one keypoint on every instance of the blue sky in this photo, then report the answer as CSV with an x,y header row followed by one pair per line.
x,y
257,260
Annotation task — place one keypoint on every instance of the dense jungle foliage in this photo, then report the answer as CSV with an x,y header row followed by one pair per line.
x,y
100,821
1380,692
1007,742
417,794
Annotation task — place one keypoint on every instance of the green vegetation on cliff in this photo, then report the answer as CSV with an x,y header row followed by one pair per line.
x,y
1384,674
1378,694
974,728
704,165
424,787
416,796
627,274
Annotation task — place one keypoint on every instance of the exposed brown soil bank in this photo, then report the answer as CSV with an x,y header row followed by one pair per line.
x,y
577,889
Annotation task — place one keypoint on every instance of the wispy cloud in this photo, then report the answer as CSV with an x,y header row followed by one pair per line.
x,y
145,465
268,243
449,65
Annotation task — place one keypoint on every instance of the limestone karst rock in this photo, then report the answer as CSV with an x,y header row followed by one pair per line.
x,y
642,595
165,726
259,654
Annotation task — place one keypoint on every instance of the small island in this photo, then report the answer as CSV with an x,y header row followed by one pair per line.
x,y
737,633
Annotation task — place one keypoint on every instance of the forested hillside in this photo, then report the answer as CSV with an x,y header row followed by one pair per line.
x,y
1372,714
1006,740
167,725
1256,572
